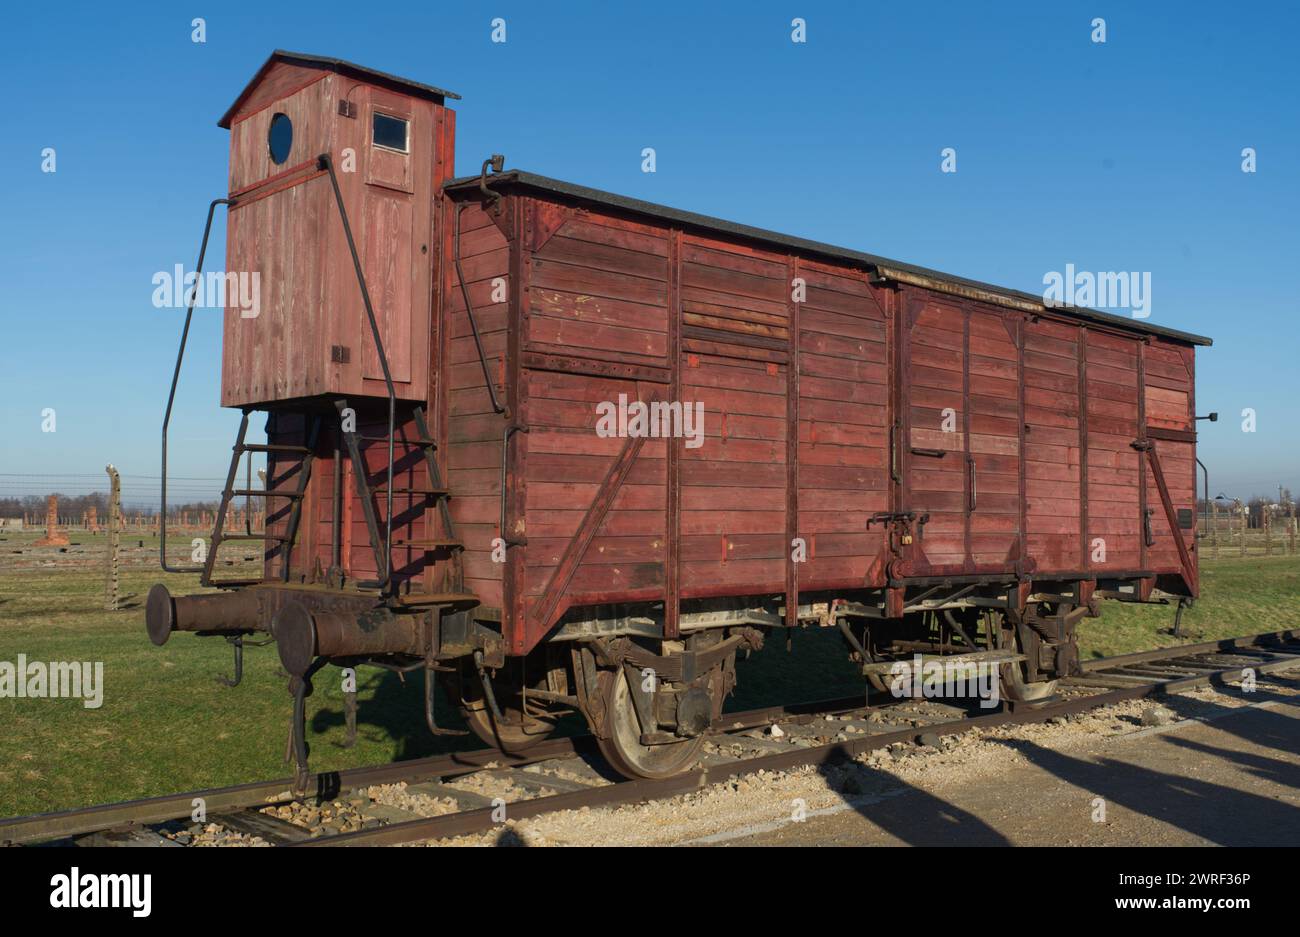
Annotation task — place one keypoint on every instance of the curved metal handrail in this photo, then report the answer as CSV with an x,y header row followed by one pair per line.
x,y
171,396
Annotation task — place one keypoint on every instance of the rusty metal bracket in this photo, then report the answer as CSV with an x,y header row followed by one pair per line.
x,y
497,162
301,688
488,693
430,676
237,642
506,537
683,667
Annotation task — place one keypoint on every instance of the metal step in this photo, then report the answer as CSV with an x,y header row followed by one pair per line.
x,y
437,598
421,441
974,658
267,447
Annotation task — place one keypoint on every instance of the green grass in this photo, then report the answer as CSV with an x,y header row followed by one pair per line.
x,y
166,724
1239,596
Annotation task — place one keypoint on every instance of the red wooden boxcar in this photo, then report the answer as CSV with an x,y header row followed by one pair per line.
x,y
542,439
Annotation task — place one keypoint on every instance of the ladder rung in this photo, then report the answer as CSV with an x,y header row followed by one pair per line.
x,y
264,493
437,598
399,442
220,537
266,447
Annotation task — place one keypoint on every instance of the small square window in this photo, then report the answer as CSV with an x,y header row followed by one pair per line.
x,y
390,132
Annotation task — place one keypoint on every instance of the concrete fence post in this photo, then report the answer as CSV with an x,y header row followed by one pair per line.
x,y
112,597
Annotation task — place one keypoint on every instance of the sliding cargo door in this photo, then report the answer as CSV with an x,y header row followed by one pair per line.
x,y
961,453
933,454
994,439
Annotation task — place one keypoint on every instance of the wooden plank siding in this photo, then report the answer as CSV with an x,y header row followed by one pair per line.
x,y
285,227
1045,412
471,430
933,371
1169,391
1053,445
1114,502
843,453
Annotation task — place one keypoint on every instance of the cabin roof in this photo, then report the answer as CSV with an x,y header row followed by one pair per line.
x,y
352,70
892,269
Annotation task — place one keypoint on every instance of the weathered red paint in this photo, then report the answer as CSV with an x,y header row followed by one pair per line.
x,y
801,396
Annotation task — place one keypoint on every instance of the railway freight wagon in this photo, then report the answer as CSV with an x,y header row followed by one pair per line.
x,y
562,450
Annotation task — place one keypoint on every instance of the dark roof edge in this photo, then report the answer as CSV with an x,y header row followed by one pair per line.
x,y
889,269
342,67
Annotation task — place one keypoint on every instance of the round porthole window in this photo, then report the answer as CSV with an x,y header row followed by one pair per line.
x,y
279,139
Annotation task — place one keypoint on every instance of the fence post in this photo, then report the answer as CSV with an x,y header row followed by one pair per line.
x,y
1214,530
114,537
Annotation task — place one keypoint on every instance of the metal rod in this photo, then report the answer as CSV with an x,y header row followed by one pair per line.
x,y
337,522
955,625
171,396
1205,472
327,164
847,631
301,688
487,687
469,311
429,720
238,642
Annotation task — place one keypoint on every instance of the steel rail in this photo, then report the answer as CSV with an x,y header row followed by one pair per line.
x,y
1279,651
1255,642
483,819
331,784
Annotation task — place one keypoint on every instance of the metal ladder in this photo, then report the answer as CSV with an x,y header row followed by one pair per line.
x,y
230,492
454,578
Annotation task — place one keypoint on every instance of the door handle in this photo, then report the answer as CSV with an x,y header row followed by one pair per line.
x,y
895,474
970,465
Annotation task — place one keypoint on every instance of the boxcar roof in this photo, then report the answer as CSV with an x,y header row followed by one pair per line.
x,y
352,70
892,269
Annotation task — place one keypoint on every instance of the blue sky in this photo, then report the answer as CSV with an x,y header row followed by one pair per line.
x,y
1116,156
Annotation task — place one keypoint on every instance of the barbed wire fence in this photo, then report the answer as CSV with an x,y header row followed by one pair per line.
x,y
83,498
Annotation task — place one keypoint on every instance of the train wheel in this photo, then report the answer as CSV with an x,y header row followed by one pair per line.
x,y
622,745
514,732
1014,684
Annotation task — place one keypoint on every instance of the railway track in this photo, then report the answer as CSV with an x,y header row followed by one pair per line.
x,y
473,792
